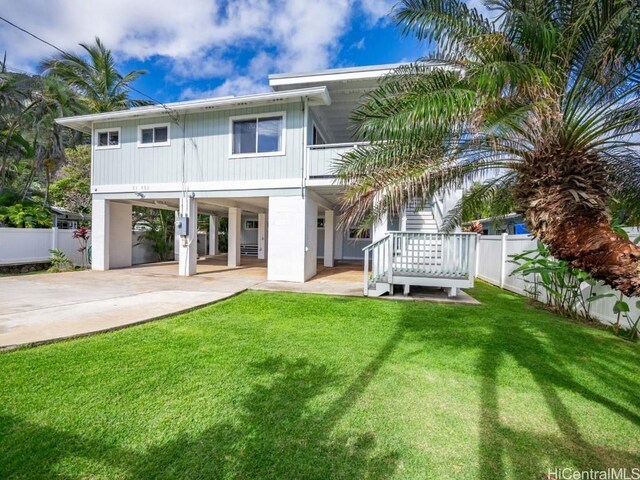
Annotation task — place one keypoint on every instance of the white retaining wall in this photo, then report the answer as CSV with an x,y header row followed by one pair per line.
x,y
494,266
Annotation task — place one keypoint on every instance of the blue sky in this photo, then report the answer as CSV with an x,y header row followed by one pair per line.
x,y
202,48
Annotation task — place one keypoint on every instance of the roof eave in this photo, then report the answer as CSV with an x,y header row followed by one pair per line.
x,y
83,123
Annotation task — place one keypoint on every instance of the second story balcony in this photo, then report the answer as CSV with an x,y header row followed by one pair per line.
x,y
321,159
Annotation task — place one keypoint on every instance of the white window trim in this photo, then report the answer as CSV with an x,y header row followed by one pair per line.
x,y
107,130
258,116
359,239
155,144
250,220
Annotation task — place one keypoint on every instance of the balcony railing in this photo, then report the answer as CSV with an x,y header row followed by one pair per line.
x,y
321,158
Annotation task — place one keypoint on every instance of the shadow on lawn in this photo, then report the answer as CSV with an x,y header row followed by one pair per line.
x,y
277,435
526,452
530,453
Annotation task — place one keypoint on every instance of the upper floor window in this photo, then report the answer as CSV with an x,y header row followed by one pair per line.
x,y
257,135
153,135
108,138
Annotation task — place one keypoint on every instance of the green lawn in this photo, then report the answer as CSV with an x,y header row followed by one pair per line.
x,y
268,385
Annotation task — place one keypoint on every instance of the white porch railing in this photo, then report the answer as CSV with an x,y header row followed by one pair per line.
x,y
321,158
416,258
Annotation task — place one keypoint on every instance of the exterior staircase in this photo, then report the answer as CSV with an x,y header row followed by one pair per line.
x,y
419,218
419,258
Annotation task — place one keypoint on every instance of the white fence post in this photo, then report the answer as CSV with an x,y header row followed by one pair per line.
x,y
477,253
503,259
54,238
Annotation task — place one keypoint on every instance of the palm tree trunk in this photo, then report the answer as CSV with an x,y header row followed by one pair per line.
x,y
596,248
564,200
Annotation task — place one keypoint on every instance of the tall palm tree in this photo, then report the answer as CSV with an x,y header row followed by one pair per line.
x,y
51,99
541,107
15,93
97,79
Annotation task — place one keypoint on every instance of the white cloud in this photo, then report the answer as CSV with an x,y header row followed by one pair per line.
x,y
231,86
377,9
359,45
481,8
194,36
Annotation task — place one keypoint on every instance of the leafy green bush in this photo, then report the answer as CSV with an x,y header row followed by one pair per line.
x,y
562,286
59,261
22,215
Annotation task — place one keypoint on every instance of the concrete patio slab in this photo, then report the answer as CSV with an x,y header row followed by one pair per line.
x,y
345,278
45,307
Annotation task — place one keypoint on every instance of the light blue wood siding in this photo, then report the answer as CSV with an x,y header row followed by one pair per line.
x,y
200,146
322,159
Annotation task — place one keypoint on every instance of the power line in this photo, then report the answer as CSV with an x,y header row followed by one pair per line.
x,y
66,53
32,35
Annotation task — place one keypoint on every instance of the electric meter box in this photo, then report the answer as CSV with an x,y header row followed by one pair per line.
x,y
182,226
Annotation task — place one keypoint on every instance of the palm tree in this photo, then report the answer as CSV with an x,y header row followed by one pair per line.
x,y
539,106
15,93
104,89
51,99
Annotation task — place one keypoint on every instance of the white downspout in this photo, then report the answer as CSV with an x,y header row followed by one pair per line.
x,y
305,152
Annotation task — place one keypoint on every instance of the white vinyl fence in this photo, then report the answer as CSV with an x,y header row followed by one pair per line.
x,y
494,266
32,245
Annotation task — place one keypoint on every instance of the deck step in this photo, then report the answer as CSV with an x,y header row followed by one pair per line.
x,y
379,289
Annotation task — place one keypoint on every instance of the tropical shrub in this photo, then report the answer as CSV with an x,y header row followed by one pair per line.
x,y
23,215
158,231
555,283
59,261
82,235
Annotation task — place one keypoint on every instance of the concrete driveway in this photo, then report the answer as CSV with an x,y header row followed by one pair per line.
x,y
43,307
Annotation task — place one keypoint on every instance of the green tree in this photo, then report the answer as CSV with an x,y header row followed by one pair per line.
x,y
71,186
15,94
159,228
102,87
540,105
25,215
52,99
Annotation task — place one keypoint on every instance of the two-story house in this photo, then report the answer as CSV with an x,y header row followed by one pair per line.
x,y
264,161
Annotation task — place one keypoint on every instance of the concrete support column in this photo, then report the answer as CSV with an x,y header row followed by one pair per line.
x,y
328,238
213,235
337,245
120,236
188,247
99,234
176,241
262,236
111,241
235,223
293,236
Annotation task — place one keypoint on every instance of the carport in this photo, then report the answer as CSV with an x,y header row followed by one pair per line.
x,y
112,225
